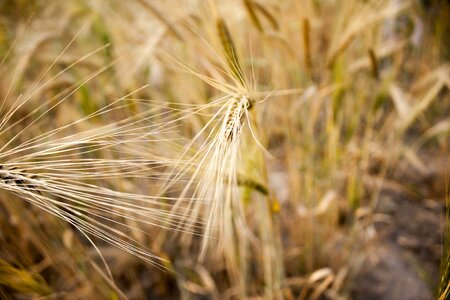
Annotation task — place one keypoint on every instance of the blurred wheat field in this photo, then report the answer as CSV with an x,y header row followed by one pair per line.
x,y
242,149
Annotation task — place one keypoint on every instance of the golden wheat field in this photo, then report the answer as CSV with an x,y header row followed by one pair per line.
x,y
212,149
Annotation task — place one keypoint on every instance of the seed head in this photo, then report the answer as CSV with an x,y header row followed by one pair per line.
x,y
233,119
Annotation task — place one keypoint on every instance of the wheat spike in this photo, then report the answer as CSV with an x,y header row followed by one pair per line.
x,y
252,14
374,63
230,51
81,170
18,179
232,122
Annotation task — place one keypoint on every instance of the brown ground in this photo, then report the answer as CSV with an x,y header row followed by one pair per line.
x,y
406,254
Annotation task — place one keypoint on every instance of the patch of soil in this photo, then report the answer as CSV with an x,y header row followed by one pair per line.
x,y
408,248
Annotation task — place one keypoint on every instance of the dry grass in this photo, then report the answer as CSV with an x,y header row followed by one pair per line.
x,y
239,149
